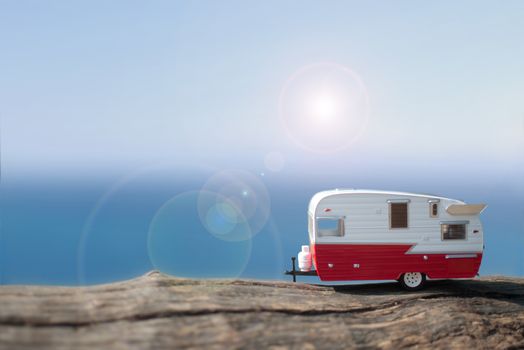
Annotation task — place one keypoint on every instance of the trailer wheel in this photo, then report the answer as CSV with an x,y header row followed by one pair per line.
x,y
412,280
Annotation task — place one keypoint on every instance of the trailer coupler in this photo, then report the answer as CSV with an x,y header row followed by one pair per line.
x,y
294,272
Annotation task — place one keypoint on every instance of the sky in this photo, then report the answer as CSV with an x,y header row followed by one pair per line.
x,y
111,111
98,87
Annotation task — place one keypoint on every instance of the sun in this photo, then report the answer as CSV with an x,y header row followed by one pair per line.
x,y
324,106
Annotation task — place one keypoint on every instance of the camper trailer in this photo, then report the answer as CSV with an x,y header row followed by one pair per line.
x,y
382,235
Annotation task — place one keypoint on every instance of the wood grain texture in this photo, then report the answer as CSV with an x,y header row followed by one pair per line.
x,y
156,311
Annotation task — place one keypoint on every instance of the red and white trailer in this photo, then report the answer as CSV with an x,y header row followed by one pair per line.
x,y
381,235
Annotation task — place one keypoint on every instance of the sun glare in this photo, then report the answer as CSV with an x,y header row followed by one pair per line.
x,y
324,106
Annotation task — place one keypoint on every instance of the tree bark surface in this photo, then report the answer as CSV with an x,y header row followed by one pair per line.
x,y
157,311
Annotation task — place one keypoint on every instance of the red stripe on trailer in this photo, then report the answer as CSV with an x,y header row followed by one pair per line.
x,y
345,262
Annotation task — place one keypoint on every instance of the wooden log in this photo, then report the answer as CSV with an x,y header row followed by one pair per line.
x,y
159,311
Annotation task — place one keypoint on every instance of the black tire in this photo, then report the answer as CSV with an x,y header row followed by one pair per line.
x,y
412,281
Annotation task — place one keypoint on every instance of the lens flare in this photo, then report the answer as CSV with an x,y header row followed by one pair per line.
x,y
180,244
113,231
234,198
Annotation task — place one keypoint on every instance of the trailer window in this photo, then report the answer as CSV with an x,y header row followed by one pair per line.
x,y
398,215
453,231
433,210
330,227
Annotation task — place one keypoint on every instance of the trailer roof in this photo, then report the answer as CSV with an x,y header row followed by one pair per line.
x,y
339,191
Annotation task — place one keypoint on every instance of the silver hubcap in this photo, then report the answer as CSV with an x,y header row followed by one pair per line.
x,y
412,279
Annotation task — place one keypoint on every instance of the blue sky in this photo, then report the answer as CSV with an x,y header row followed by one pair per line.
x,y
99,86
95,93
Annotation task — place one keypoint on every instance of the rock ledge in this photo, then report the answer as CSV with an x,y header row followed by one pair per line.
x,y
160,311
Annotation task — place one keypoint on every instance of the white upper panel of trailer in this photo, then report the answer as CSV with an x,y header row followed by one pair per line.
x,y
367,220
318,197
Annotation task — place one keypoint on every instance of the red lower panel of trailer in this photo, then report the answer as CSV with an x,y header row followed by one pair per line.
x,y
344,262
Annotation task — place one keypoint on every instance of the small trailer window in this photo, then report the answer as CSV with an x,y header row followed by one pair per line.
x,y
330,226
398,215
453,231
433,207
433,210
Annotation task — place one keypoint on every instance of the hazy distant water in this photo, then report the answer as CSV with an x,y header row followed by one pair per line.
x,y
84,232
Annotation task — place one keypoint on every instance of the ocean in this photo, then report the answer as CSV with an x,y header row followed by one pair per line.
x,y
84,231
